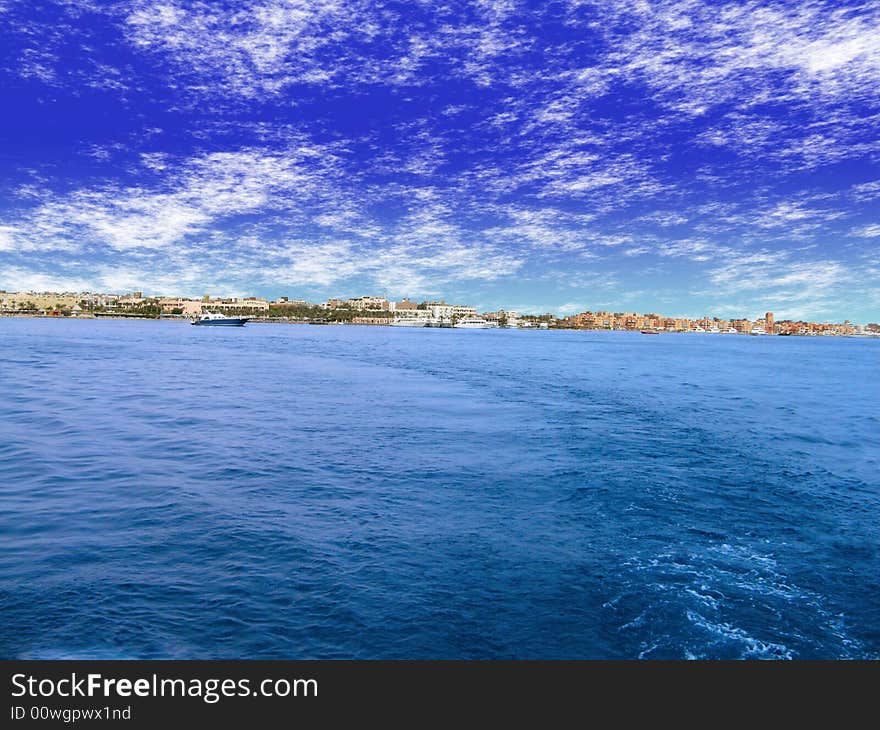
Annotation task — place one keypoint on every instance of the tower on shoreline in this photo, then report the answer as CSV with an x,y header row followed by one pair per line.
x,y
768,323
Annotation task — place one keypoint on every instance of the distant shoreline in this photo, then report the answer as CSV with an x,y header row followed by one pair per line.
x,y
258,320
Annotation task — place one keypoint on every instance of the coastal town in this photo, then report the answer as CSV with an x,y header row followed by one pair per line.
x,y
381,310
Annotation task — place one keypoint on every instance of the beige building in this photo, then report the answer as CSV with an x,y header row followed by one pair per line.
x,y
405,305
136,299
19,301
509,316
236,303
361,304
188,307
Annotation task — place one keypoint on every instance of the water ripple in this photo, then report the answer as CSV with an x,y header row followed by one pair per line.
x,y
331,492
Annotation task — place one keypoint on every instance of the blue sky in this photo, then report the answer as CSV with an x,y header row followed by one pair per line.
x,y
684,157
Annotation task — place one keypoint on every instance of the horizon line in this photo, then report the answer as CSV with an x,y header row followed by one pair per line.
x,y
555,314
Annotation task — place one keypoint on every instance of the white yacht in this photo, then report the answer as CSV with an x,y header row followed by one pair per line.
x,y
410,322
714,330
731,331
473,323
757,331
215,319
698,329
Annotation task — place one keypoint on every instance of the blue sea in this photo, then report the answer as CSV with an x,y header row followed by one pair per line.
x,y
294,491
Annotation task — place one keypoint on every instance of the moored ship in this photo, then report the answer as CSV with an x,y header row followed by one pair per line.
x,y
439,322
409,322
473,323
214,319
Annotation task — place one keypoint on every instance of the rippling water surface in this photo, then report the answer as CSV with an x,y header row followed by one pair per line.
x,y
285,491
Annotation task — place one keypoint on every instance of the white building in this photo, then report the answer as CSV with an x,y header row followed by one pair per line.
x,y
440,310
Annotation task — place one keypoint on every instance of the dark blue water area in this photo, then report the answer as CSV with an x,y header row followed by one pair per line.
x,y
293,491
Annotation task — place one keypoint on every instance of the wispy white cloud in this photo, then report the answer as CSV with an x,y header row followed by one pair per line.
x,y
706,53
872,230
791,288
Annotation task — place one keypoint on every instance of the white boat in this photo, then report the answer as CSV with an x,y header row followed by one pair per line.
x,y
698,329
731,331
215,319
714,330
757,331
473,323
438,322
410,322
